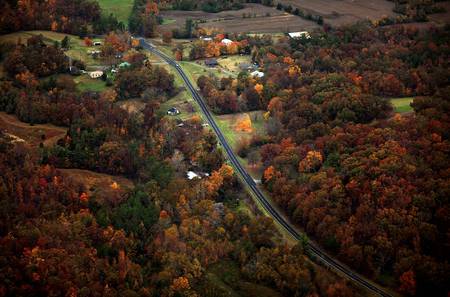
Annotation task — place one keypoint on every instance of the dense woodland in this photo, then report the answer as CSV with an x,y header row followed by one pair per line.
x,y
80,17
161,238
371,188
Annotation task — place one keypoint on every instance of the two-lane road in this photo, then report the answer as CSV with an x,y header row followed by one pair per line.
x,y
312,249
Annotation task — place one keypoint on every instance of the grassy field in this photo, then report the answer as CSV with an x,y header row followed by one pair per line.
x,y
85,83
194,70
120,8
227,124
402,104
231,63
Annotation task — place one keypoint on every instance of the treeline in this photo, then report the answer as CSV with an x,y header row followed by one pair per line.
x,y
301,13
370,188
81,17
417,10
165,237
144,18
205,5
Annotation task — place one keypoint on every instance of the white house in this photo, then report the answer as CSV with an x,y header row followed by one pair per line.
x,y
299,34
257,74
191,175
96,74
226,41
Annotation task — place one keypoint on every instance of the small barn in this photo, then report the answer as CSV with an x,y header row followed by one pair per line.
x,y
124,65
211,62
296,35
257,74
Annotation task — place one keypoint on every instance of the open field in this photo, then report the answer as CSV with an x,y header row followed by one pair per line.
x,y
183,102
196,69
228,126
231,63
339,12
263,20
85,83
103,186
120,8
31,134
402,104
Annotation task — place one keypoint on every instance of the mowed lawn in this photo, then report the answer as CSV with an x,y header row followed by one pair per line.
x,y
120,8
402,105
228,125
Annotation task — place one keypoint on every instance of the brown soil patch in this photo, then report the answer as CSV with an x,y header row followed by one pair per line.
x,y
30,134
262,19
105,187
340,12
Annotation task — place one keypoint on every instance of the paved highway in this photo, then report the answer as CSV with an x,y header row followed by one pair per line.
x,y
312,249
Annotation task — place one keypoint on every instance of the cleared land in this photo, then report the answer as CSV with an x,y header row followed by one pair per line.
x,y
120,8
102,186
259,19
32,135
339,12
231,63
402,105
235,136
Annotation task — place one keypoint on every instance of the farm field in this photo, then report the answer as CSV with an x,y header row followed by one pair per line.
x,y
120,8
30,134
262,19
402,105
339,12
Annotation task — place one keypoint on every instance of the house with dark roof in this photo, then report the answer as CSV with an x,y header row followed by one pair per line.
x,y
211,62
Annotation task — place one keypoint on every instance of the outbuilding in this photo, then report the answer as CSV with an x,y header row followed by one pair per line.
x,y
211,62
173,111
96,74
257,74
296,35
